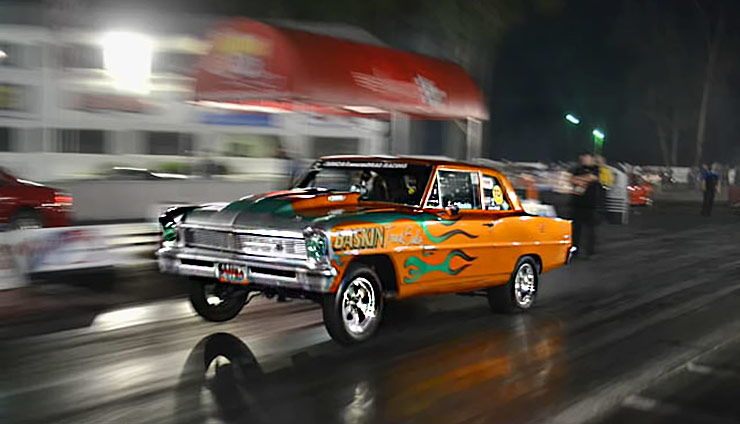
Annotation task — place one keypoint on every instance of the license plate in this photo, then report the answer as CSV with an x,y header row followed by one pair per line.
x,y
228,273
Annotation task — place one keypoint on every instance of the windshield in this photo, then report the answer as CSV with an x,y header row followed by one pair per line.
x,y
394,182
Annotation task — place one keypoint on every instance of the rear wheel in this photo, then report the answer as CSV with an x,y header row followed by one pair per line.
x,y
520,292
353,313
216,301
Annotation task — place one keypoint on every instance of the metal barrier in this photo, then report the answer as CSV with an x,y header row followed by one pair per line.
x,y
134,243
48,250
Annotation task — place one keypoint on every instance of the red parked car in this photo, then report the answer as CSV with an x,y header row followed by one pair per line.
x,y
25,204
640,191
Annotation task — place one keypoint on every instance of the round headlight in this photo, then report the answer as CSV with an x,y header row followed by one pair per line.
x,y
316,247
169,232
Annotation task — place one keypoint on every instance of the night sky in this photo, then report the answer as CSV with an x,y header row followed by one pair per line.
x,y
584,61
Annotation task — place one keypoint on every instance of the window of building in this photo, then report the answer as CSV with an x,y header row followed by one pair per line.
x,y
82,56
6,143
326,146
252,145
168,143
11,54
460,189
82,141
12,97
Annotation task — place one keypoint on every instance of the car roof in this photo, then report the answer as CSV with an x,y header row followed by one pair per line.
x,y
416,159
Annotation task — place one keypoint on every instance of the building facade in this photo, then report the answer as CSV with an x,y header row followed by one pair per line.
x,y
75,104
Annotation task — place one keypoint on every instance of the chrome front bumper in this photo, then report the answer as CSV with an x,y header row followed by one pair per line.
x,y
261,270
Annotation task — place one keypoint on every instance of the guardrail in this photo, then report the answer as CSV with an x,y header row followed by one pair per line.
x,y
137,242
48,250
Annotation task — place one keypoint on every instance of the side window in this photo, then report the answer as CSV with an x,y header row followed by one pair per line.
x,y
433,201
494,197
461,189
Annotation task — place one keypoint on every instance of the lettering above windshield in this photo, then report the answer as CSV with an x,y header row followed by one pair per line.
x,y
357,164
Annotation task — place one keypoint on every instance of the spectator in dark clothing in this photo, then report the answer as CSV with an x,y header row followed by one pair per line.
x,y
584,203
709,184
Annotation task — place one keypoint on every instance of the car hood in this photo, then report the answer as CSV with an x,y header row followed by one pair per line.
x,y
295,210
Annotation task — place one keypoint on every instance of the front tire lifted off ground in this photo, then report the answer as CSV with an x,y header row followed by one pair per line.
x,y
215,301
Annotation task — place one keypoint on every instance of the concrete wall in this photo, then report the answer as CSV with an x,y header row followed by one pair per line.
x,y
43,166
127,200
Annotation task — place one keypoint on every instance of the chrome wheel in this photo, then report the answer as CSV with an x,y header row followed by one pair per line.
x,y
525,285
359,306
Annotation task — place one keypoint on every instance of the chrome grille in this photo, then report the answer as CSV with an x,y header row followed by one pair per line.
x,y
210,239
252,244
277,246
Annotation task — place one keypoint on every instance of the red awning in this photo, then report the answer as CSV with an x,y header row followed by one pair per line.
x,y
253,63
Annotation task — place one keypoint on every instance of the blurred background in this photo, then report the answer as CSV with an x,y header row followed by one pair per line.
x,y
109,113
97,93
105,121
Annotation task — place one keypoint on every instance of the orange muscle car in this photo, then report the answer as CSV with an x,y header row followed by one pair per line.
x,y
357,231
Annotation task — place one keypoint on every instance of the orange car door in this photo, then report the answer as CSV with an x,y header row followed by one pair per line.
x,y
505,230
454,252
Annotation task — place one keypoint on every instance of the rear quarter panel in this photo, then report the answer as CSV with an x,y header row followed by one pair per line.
x,y
547,238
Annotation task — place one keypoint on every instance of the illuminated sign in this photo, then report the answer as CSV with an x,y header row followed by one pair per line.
x,y
249,120
241,55
363,238
237,43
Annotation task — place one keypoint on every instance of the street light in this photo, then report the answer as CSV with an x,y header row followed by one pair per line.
x,y
599,137
572,119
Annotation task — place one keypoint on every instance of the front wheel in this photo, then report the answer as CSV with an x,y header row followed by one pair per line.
x,y
353,313
521,290
216,301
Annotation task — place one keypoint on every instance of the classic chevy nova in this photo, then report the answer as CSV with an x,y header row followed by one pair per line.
x,y
357,231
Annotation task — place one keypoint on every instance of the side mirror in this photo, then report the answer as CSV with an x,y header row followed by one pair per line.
x,y
452,209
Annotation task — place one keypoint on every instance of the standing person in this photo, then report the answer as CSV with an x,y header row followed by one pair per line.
x,y
709,185
584,202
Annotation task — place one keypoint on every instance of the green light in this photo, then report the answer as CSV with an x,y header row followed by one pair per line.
x,y
598,134
572,119
316,247
169,232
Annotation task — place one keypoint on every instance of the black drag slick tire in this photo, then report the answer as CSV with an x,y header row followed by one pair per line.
x,y
352,314
520,292
204,296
